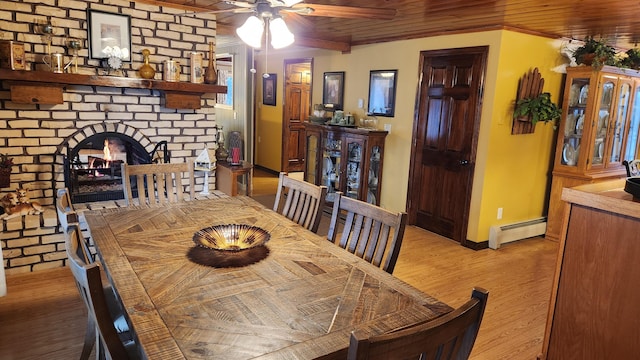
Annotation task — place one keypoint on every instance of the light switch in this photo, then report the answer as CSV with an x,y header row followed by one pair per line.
x,y
360,103
387,128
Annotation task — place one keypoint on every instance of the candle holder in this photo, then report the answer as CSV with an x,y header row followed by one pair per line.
x,y
74,45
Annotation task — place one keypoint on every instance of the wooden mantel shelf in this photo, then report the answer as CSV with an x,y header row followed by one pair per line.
x,y
43,87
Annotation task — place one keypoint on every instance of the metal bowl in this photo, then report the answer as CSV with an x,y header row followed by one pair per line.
x,y
231,237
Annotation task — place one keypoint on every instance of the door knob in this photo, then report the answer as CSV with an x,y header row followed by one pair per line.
x,y
463,162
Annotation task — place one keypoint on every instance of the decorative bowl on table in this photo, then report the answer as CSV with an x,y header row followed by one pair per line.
x,y
632,186
231,237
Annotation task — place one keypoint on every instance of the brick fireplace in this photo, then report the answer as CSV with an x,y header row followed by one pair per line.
x,y
39,137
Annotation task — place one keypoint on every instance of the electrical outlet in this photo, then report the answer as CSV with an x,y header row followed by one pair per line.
x,y
499,213
387,128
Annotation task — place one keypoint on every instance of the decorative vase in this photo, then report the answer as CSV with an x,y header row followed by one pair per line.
x,y
146,71
210,75
5,178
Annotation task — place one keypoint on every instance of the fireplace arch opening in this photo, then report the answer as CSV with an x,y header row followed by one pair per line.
x,y
93,166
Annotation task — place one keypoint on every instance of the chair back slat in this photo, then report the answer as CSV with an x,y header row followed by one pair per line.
x,y
448,337
66,212
89,282
158,183
300,201
369,231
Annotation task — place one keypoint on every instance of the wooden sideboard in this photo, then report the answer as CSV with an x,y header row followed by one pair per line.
x,y
593,313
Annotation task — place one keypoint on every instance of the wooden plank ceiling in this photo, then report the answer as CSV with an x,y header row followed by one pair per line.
x,y
616,20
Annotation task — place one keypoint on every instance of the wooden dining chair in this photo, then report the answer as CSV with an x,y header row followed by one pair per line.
x,y
157,183
300,201
370,232
105,319
66,212
450,336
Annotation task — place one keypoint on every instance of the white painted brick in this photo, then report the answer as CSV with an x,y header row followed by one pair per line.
x,y
7,114
196,39
22,242
147,116
33,259
125,99
84,107
208,138
57,124
23,142
17,270
11,253
40,133
184,124
41,249
41,150
16,6
119,115
16,124
97,98
91,116
168,131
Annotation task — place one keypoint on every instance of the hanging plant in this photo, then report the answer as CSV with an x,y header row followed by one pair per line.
x,y
539,108
632,60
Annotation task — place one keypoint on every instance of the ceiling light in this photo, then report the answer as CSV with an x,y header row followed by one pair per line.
x,y
251,31
281,36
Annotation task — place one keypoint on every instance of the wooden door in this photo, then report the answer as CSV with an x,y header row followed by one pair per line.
x,y
296,110
445,140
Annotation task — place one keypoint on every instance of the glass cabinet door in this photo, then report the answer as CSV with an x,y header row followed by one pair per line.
x,y
354,168
574,121
631,149
602,112
374,175
331,161
619,125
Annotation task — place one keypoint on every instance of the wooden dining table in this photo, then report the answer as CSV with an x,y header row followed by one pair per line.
x,y
299,298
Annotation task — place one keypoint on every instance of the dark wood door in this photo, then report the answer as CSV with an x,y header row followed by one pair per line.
x,y
445,137
297,107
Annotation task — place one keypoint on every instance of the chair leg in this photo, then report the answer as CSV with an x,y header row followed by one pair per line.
x,y
89,339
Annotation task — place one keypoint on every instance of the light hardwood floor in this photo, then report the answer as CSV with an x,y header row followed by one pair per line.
x,y
42,317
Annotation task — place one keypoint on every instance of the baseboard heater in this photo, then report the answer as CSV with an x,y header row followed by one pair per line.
x,y
502,234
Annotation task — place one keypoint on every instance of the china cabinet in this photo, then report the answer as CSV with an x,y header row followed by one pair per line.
x,y
345,159
598,130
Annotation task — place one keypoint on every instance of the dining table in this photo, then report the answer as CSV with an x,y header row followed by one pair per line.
x,y
298,296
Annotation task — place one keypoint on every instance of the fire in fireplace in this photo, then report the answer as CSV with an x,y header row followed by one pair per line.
x,y
92,168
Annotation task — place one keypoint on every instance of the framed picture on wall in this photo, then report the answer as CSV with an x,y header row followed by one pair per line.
x,y
333,89
108,30
269,90
382,92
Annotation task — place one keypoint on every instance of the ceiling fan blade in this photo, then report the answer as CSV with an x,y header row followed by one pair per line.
x,y
347,12
223,11
240,4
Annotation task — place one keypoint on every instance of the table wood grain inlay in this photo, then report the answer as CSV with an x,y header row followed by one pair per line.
x,y
300,302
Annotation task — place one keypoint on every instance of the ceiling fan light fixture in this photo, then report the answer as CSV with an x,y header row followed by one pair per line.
x,y
251,31
281,36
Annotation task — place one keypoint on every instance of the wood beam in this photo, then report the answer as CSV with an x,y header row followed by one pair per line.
x,y
328,44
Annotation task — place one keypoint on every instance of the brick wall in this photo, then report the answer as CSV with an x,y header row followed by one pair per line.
x,y
36,135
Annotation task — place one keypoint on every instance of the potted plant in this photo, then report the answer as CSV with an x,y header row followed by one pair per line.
x,y
632,60
595,53
5,170
539,108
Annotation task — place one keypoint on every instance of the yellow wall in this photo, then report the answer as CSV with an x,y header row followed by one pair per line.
x,y
511,170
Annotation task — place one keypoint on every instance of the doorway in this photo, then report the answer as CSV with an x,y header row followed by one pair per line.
x,y
445,138
296,110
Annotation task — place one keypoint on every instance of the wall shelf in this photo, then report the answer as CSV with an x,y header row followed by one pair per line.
x,y
43,87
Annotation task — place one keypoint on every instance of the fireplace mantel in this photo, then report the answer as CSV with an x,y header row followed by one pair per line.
x,y
43,87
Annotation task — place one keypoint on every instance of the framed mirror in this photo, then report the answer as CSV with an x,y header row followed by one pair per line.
x,y
382,92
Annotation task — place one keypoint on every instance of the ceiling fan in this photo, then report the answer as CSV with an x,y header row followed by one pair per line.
x,y
270,13
273,7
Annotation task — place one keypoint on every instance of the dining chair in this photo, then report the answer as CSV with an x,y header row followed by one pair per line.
x,y
66,212
370,232
104,312
632,167
300,201
157,183
450,336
